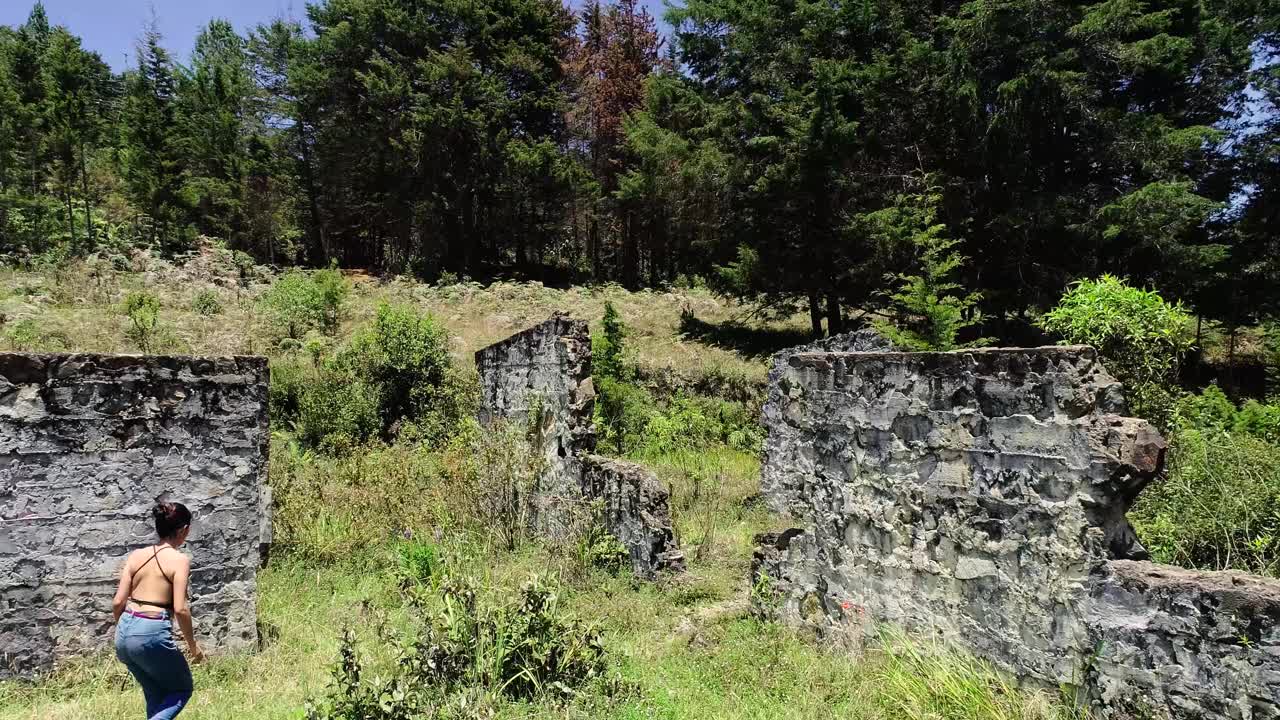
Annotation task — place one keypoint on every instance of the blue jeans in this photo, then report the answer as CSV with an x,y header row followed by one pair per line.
x,y
146,647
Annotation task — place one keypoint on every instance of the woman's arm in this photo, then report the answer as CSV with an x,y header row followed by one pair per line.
x,y
181,610
121,599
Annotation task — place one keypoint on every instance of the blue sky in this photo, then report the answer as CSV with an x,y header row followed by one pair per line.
x,y
111,26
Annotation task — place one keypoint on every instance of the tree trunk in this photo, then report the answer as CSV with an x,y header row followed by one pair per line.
x,y
319,250
835,316
88,205
815,314
71,218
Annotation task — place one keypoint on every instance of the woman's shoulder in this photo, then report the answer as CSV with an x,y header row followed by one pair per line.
x,y
174,556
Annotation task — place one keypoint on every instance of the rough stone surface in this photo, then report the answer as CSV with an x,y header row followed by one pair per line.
x,y
980,496
1201,644
635,507
542,376
87,444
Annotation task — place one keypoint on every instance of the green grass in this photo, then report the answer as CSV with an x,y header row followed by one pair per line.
x,y
77,307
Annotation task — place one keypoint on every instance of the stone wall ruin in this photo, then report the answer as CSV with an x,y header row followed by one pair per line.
x,y
979,497
87,444
545,371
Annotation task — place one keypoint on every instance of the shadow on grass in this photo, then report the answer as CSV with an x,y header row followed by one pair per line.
x,y
747,341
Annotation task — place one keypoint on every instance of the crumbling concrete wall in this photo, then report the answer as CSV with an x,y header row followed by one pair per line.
x,y
980,497
542,377
87,444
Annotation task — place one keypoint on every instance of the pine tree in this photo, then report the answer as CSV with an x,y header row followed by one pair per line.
x,y
150,150
75,106
214,97
929,309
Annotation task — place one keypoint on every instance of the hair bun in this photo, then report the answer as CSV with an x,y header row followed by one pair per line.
x,y
170,517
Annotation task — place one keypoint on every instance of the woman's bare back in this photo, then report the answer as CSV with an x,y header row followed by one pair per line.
x,y
152,571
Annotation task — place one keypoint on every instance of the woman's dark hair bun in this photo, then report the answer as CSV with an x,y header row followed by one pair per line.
x,y
170,518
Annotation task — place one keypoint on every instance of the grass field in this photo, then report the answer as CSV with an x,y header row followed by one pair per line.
x,y
77,307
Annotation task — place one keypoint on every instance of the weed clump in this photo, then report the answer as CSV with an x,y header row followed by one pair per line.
x,y
1141,337
465,644
145,329
206,303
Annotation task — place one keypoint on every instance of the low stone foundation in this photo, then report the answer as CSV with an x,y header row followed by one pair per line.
x,y
542,376
979,497
88,443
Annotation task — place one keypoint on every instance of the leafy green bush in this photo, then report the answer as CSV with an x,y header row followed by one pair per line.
x,y
1213,410
144,330
1219,505
289,381
630,419
299,301
338,411
1141,337
405,355
1260,420
622,412
394,378
522,650
206,303
24,335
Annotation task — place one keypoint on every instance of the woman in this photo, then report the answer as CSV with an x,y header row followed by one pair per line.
x,y
153,588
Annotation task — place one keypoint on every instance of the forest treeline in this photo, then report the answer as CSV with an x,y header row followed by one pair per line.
x,y
806,155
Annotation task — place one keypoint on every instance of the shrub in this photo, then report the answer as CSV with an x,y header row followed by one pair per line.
x,y
1141,337
337,411
143,311
622,412
331,290
1213,410
395,377
24,335
630,419
244,265
289,381
492,473
206,302
1259,420
298,301
405,355
1219,505
522,650
607,347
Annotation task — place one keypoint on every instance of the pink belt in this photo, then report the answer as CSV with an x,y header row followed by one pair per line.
x,y
146,615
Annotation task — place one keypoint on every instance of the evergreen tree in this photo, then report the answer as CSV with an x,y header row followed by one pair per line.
x,y
150,147
76,103
214,111
928,308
